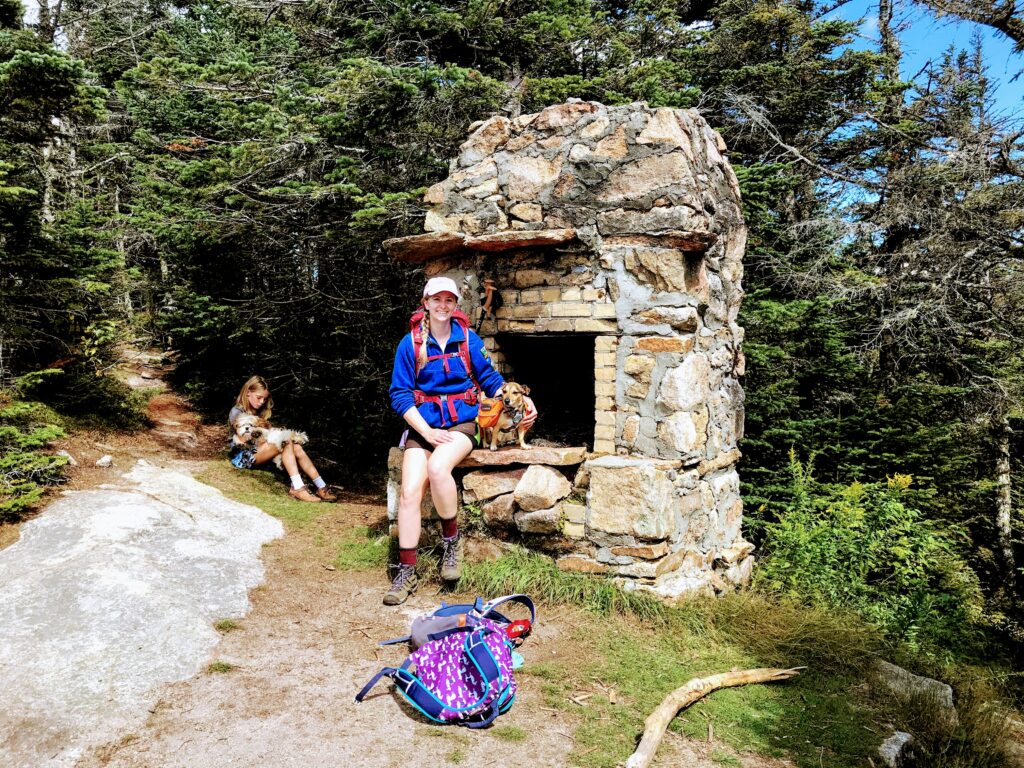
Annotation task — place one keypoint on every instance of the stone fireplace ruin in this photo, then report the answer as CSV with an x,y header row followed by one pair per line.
x,y
615,240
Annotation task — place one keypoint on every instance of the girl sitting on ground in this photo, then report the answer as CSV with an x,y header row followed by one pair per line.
x,y
255,399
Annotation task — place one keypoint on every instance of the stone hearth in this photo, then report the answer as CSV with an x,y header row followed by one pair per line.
x,y
619,226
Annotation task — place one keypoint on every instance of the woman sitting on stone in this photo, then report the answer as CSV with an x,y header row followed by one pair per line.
x,y
432,389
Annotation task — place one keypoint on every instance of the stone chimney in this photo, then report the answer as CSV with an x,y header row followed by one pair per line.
x,y
615,239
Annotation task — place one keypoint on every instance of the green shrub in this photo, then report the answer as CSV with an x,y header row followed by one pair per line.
x,y
78,390
862,547
25,428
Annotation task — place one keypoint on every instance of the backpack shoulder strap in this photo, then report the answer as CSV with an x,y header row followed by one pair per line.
x,y
467,361
487,609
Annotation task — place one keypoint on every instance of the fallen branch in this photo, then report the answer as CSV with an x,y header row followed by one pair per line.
x,y
657,722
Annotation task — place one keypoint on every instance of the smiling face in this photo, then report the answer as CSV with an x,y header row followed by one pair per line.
x,y
440,306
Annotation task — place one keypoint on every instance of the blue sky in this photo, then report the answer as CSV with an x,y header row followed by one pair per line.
x,y
924,37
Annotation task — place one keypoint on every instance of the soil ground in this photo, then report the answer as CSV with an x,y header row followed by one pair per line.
x,y
291,667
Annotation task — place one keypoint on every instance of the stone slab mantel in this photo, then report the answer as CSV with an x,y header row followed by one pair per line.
x,y
430,245
503,457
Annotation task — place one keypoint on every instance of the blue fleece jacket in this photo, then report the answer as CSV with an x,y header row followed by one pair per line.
x,y
433,380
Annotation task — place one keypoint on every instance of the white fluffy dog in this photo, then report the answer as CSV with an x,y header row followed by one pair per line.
x,y
250,428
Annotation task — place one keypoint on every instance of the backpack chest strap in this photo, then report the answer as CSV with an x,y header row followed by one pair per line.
x,y
446,402
445,357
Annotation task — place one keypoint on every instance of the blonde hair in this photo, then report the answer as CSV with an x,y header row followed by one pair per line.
x,y
242,401
421,353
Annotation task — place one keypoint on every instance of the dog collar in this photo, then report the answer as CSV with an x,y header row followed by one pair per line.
x,y
517,415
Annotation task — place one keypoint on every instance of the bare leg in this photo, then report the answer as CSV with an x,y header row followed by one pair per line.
x,y
439,472
414,483
267,451
303,460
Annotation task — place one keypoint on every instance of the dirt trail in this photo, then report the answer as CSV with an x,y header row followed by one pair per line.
x,y
309,643
299,657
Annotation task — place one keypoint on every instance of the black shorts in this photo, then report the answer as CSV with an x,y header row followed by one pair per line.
x,y
468,428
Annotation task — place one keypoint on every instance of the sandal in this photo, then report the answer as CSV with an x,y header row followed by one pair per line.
x,y
301,494
324,494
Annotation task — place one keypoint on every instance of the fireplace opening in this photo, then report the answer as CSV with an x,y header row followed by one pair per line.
x,y
559,370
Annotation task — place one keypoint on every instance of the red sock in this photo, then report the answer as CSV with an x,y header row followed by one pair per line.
x,y
450,528
407,556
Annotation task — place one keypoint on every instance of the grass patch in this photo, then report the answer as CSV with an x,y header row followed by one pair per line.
x,y
539,577
817,717
975,740
638,650
457,757
364,549
219,667
718,757
227,625
510,733
260,488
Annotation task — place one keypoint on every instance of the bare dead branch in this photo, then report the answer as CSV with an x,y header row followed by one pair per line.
x,y
657,722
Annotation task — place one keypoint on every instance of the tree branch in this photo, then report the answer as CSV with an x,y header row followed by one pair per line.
x,y
657,722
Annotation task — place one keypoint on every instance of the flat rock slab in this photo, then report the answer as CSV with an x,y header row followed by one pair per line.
x,y
430,245
418,248
109,593
555,457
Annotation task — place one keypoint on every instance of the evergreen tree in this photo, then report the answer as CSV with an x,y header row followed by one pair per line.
x,y
47,290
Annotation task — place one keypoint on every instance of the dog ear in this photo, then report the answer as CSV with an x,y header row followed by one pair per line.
x,y
526,389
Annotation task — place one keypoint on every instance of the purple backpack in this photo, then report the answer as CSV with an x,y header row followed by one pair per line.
x,y
461,671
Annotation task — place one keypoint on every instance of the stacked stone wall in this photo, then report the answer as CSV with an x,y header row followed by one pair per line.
x,y
622,223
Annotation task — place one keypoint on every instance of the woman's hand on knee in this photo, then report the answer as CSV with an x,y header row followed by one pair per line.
x,y
438,437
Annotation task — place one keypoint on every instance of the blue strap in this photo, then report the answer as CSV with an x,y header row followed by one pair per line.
x,y
482,658
487,609
439,635
387,671
489,716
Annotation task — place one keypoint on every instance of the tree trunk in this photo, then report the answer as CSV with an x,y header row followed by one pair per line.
x,y
1004,511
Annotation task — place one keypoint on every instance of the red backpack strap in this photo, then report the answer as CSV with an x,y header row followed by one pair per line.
x,y
460,317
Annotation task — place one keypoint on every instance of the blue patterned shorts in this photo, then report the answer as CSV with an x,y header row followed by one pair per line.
x,y
243,456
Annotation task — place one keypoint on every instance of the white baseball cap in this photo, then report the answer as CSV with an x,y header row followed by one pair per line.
x,y
436,285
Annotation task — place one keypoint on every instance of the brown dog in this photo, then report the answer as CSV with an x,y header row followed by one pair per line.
x,y
505,413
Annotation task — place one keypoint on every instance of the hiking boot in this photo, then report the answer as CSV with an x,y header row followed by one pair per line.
x,y
403,586
301,494
451,558
324,494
